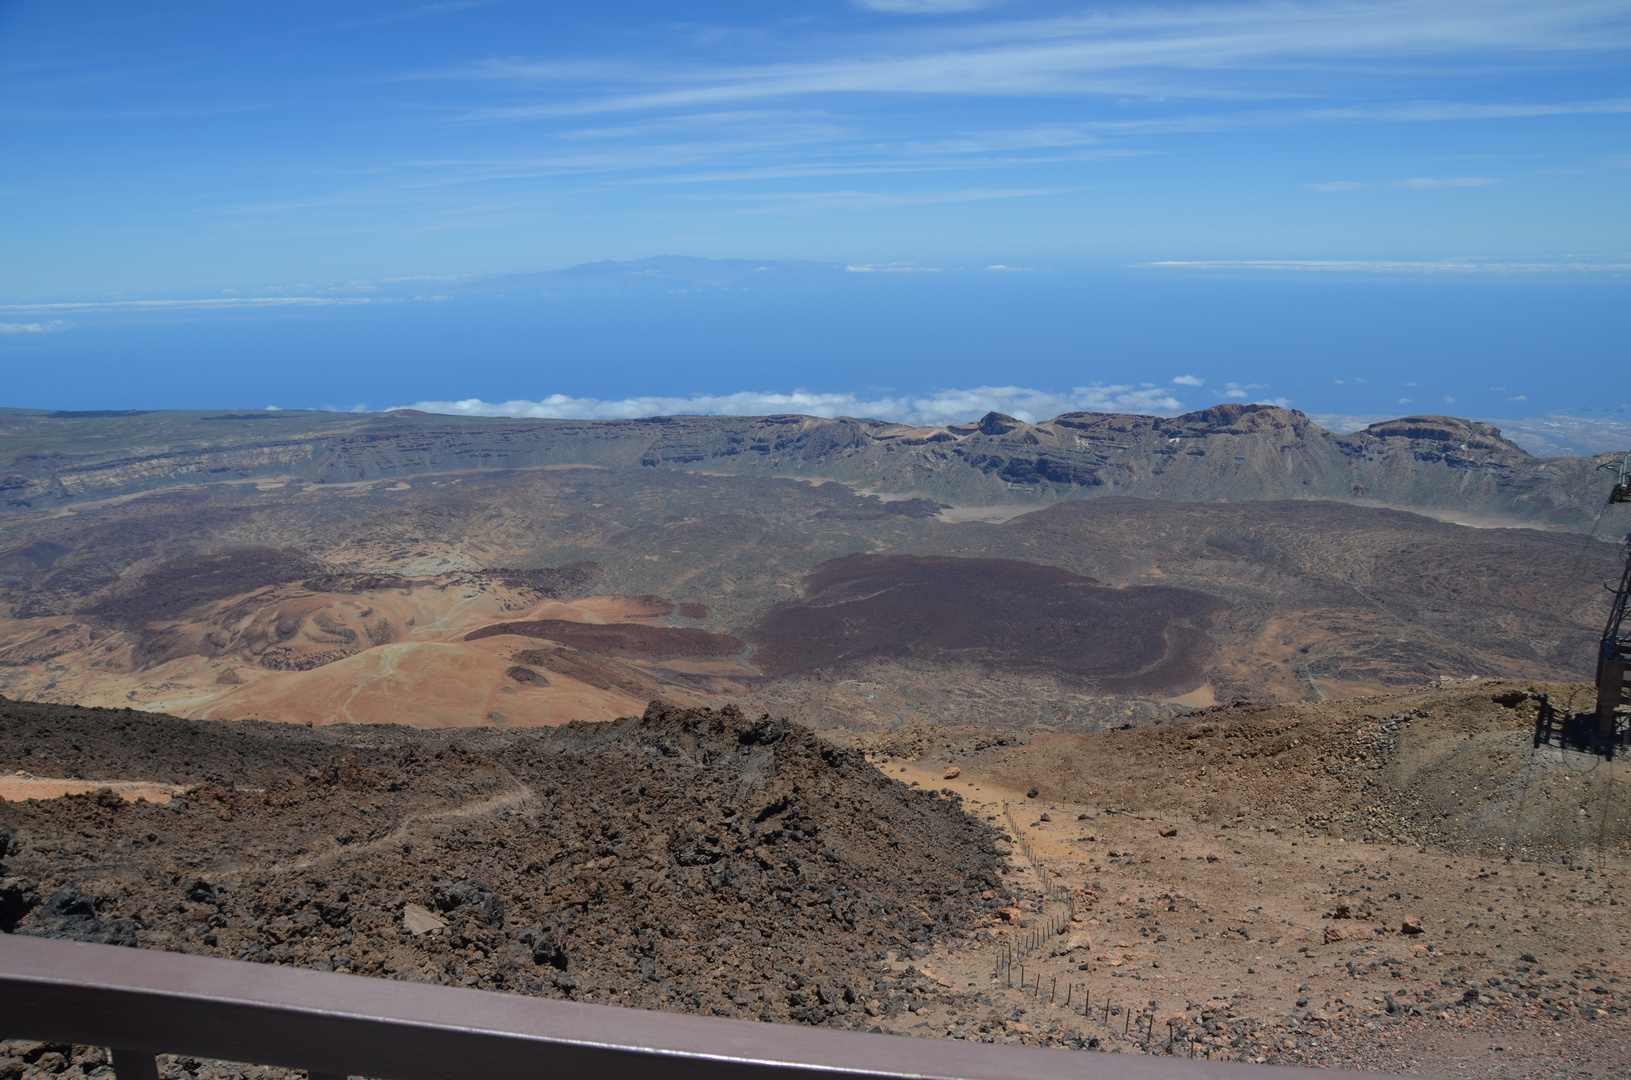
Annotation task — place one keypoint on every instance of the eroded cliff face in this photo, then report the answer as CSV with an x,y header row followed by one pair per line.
x,y
1226,453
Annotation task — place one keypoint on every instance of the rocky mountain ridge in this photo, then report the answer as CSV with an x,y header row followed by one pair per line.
x,y
1225,453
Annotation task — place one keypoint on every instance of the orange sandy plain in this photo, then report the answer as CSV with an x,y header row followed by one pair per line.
x,y
422,673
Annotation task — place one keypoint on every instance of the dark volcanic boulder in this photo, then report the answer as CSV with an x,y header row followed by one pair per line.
x,y
71,913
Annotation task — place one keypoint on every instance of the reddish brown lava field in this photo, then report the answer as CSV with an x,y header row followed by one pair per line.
x,y
1000,613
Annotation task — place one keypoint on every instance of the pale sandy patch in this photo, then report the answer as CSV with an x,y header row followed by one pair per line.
x,y
993,514
19,786
1202,697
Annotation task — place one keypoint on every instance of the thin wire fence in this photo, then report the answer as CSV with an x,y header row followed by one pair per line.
x,y
1077,997
1010,954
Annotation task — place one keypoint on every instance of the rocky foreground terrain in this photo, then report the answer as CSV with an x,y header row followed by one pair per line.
x,y
682,859
1402,883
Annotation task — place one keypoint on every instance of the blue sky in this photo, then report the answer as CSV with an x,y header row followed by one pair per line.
x,y
212,205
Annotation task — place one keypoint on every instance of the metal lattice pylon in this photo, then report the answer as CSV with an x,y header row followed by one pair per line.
x,y
1614,658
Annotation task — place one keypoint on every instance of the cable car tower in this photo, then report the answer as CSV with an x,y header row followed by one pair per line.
x,y
1614,657
1601,731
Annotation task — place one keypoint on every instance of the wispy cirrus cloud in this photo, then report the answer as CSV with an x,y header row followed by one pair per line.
x,y
693,114
923,7
679,127
731,146
936,408
856,96
1195,49
817,201
1419,182
1415,183
421,11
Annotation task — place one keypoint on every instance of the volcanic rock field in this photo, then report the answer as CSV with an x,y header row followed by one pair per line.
x,y
682,859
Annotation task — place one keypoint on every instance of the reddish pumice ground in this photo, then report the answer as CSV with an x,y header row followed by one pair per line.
x,y
1287,906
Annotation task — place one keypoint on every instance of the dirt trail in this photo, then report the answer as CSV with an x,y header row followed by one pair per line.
x,y
516,799
387,657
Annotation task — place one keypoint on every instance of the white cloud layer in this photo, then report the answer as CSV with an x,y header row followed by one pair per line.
x,y
206,304
33,327
891,268
1360,266
937,408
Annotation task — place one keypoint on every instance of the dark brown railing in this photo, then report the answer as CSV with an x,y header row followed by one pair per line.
x,y
144,1003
